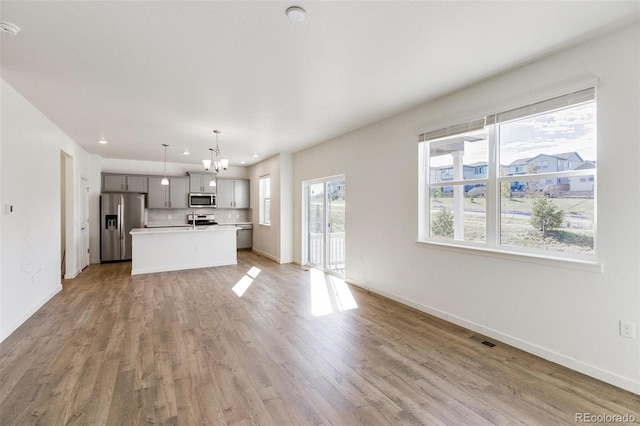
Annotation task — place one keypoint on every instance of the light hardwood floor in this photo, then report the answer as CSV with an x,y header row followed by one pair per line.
x,y
183,348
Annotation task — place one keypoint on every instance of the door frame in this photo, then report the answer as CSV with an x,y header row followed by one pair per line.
x,y
85,227
67,206
326,267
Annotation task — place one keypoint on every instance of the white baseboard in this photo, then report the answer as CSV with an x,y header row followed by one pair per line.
x,y
267,255
72,275
39,304
558,358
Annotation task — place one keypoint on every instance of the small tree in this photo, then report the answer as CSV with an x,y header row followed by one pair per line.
x,y
505,187
505,190
545,215
531,187
442,224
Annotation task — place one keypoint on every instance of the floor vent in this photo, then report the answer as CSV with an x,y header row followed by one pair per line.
x,y
481,340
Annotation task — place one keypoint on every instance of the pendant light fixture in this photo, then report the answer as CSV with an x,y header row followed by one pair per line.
x,y
212,182
164,180
219,163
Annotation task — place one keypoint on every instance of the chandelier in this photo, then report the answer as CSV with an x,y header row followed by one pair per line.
x,y
219,163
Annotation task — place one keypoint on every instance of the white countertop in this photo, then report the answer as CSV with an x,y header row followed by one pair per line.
x,y
168,226
182,229
188,226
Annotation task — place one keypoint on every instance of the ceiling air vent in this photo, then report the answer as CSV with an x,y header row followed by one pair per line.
x,y
9,28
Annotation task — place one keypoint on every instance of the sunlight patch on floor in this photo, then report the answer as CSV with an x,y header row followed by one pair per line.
x,y
329,294
245,282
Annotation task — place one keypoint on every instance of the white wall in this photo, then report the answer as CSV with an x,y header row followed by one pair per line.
x,y
569,316
30,181
266,238
286,208
276,240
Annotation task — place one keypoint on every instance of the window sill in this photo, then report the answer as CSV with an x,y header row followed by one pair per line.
x,y
268,225
560,262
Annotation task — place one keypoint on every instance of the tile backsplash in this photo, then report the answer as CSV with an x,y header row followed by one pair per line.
x,y
173,217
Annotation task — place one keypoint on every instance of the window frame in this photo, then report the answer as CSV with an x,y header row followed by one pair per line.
x,y
265,200
493,182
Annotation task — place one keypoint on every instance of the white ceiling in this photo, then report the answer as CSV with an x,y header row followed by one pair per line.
x,y
140,74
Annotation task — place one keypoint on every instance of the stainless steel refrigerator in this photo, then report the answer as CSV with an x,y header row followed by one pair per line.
x,y
119,214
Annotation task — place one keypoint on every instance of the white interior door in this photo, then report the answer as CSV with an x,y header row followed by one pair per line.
x,y
84,226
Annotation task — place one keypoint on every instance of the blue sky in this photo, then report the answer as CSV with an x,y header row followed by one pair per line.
x,y
566,130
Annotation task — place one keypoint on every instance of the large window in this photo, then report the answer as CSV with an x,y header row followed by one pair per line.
x,y
265,200
522,180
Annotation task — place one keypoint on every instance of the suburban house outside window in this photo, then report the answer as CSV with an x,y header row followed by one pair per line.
x,y
523,180
265,200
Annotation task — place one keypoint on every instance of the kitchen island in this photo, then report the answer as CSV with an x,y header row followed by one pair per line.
x,y
177,248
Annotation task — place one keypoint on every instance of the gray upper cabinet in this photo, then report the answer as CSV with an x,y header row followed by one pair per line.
x,y
232,194
179,192
137,184
241,193
199,183
158,194
224,199
172,196
124,183
113,183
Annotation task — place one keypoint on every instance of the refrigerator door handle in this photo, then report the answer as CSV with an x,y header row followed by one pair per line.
x,y
121,225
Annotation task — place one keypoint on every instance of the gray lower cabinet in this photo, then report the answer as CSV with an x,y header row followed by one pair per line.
x,y
232,194
124,183
172,196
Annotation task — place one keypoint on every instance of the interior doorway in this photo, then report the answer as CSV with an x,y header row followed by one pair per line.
x,y
324,224
84,223
66,215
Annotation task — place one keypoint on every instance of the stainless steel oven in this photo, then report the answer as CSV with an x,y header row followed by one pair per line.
x,y
202,200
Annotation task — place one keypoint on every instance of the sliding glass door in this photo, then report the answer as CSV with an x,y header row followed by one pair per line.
x,y
324,228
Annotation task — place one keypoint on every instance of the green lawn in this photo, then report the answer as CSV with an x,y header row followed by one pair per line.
x,y
337,214
575,236
571,206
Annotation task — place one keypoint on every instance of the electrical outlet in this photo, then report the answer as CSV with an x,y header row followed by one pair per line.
x,y
627,329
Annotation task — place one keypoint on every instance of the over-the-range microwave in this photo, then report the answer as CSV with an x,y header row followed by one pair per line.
x,y
202,200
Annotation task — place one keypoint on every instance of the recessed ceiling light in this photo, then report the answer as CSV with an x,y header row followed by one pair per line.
x,y
9,28
254,155
102,142
242,161
185,152
296,13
